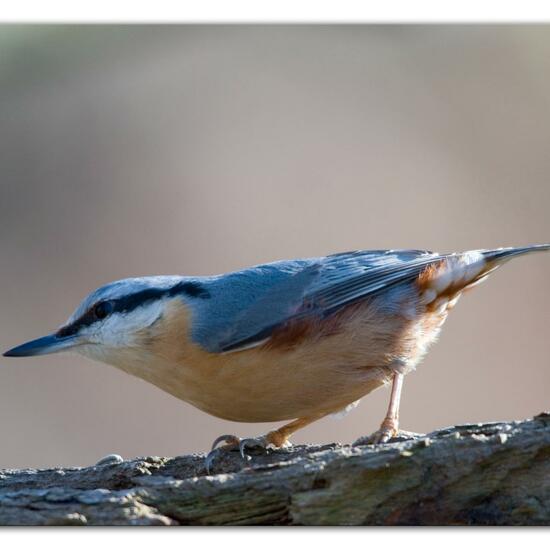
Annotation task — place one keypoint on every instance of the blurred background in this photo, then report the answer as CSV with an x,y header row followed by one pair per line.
x,y
144,150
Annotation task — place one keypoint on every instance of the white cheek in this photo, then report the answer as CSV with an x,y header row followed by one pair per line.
x,y
119,329
115,331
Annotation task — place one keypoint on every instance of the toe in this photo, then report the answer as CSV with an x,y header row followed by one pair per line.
x,y
383,436
250,442
378,437
231,442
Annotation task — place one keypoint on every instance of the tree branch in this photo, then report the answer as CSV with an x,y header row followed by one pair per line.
x,y
484,474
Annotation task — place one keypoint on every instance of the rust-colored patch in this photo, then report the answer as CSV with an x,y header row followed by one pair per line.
x,y
291,334
455,288
425,281
427,276
294,333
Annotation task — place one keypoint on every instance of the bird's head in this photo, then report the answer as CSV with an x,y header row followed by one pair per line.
x,y
112,319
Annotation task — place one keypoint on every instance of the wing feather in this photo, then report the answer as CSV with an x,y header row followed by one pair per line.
x,y
321,289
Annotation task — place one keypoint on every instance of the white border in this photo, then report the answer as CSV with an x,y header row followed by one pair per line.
x,y
275,538
243,11
234,11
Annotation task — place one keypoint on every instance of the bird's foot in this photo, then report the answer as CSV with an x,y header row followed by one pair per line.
x,y
387,431
234,443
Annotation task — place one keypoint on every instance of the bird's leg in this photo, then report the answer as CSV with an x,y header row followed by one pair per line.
x,y
390,425
275,439
279,437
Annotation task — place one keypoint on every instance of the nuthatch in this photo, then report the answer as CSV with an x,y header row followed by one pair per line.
x,y
290,340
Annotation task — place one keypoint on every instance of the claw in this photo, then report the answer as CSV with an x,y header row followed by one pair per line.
x,y
251,442
232,443
209,460
228,439
383,435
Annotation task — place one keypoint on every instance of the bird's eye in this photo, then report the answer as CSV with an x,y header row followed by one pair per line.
x,y
102,309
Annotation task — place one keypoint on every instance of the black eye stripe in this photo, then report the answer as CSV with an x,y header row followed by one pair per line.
x,y
193,289
84,320
131,302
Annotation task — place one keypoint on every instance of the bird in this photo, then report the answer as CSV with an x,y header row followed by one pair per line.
x,y
289,341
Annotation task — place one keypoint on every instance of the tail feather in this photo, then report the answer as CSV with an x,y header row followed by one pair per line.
x,y
459,272
493,259
504,254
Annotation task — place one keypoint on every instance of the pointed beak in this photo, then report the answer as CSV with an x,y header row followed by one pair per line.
x,y
42,346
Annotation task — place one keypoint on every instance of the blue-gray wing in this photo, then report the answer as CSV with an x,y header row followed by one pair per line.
x,y
317,286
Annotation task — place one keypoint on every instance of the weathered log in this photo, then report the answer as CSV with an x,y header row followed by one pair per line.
x,y
485,474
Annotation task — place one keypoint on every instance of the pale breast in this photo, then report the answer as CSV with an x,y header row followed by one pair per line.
x,y
317,367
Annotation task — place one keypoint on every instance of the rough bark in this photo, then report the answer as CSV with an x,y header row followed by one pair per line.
x,y
485,474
